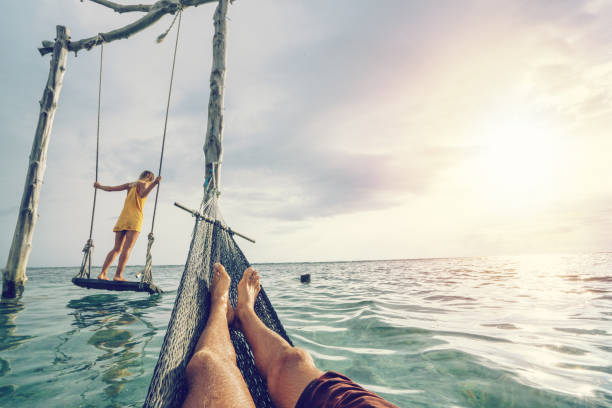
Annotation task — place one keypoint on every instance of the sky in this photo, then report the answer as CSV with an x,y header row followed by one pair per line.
x,y
353,129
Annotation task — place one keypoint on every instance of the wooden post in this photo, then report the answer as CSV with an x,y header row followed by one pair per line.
x,y
15,272
213,147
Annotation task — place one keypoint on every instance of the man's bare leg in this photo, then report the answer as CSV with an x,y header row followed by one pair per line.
x,y
213,377
288,370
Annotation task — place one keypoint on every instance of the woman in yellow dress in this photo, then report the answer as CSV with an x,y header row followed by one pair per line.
x,y
129,223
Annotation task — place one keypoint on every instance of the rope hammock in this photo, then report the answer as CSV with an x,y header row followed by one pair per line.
x,y
212,241
83,277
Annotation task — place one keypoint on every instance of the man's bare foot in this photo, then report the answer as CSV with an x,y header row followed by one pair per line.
x,y
248,289
102,276
219,290
230,315
119,278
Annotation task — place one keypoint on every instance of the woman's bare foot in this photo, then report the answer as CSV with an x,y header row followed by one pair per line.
x,y
103,276
219,290
119,278
248,289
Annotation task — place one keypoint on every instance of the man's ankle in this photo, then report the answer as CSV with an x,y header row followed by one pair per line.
x,y
243,311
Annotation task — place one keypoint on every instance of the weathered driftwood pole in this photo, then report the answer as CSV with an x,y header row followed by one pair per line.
x,y
213,146
15,272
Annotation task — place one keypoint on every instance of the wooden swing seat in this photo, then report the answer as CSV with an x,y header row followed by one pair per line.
x,y
115,285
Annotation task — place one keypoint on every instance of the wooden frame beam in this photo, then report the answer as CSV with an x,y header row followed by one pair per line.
x,y
153,13
120,8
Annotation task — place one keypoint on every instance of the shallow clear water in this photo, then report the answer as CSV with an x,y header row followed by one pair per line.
x,y
530,331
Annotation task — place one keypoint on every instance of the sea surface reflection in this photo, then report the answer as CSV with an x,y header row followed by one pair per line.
x,y
531,331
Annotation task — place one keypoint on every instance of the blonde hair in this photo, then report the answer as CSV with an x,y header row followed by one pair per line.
x,y
146,175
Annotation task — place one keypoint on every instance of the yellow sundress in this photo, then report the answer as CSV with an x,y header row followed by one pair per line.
x,y
131,216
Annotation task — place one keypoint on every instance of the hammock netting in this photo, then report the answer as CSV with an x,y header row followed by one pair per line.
x,y
212,241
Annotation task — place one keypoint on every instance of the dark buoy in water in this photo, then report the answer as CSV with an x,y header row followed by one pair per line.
x,y
305,278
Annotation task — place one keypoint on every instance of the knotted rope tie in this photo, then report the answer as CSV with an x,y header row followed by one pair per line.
x,y
163,35
88,245
146,272
86,264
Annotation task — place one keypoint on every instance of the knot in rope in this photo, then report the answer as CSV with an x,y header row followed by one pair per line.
x,y
206,181
210,184
88,245
146,274
163,35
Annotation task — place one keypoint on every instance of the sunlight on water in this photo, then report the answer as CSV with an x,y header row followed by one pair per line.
x,y
530,331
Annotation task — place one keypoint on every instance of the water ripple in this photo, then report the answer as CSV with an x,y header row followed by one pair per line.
x,y
527,331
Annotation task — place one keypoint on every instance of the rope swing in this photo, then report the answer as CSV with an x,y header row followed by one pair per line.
x,y
147,275
83,278
85,269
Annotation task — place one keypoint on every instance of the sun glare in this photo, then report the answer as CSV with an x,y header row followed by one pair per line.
x,y
520,161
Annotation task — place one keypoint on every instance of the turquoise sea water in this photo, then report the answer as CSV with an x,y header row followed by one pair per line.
x,y
531,331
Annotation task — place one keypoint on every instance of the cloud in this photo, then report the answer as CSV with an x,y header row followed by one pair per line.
x,y
297,184
334,111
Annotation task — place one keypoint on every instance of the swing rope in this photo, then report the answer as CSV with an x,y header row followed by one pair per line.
x,y
146,272
146,278
87,249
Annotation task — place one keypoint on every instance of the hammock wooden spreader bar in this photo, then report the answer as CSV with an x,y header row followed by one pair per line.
x,y
212,221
